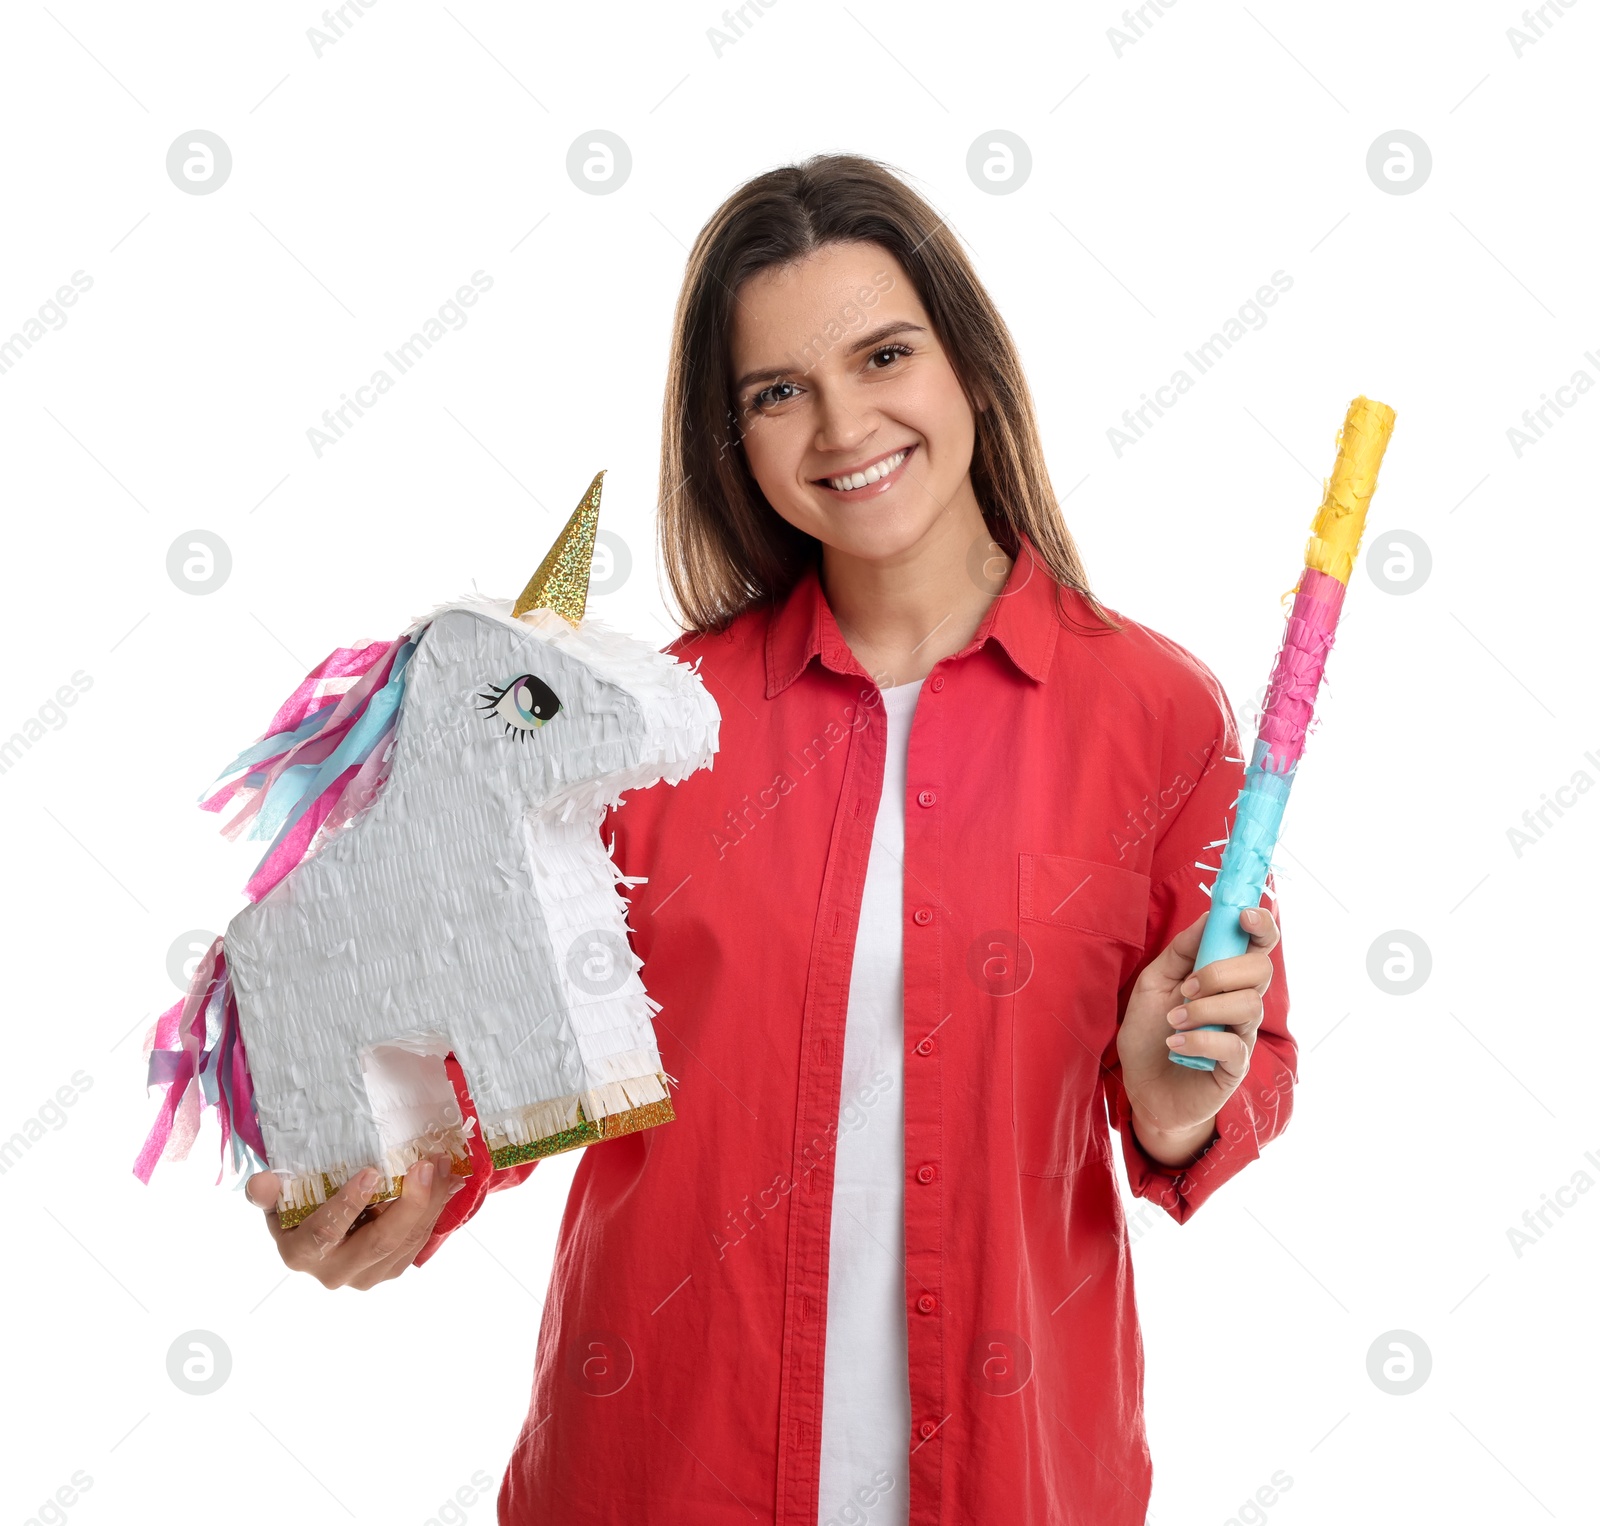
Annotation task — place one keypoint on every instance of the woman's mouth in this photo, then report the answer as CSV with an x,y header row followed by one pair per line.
x,y
875,477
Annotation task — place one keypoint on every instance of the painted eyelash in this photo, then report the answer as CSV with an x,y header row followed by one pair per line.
x,y
492,696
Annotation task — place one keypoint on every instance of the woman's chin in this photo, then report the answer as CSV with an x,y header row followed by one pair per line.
x,y
876,531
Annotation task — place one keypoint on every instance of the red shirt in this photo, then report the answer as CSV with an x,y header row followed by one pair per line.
x,y
1063,781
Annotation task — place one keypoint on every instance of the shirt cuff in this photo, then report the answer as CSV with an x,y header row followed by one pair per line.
x,y
1182,1189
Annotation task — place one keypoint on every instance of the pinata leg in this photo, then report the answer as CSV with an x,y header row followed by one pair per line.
x,y
1292,693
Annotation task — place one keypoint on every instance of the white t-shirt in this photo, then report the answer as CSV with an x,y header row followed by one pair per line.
x,y
866,1387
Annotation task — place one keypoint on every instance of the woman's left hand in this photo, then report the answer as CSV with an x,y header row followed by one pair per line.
x,y
1173,1099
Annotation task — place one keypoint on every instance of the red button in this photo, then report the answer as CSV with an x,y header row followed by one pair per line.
x,y
925,1047
926,1174
927,1303
922,916
927,797
938,683
927,1428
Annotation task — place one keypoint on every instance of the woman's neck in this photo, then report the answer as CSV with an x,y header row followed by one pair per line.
x,y
902,614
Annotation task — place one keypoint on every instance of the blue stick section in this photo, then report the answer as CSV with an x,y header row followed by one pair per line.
x,y
1243,876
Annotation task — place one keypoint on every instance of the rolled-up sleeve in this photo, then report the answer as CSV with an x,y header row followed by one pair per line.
x,y
1259,1108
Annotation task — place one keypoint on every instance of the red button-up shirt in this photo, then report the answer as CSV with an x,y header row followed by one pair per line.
x,y
1063,783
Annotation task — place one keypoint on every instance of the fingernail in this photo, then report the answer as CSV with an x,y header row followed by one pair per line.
x,y
1252,916
1190,987
1176,1040
366,1179
456,1184
1175,1016
425,1174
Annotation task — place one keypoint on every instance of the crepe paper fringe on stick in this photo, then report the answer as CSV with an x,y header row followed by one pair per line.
x,y
1288,714
197,1054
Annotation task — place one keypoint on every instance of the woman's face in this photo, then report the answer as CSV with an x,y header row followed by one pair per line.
x,y
838,376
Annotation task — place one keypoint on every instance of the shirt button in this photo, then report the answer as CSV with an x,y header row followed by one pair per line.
x,y
922,916
926,1429
927,1303
927,797
925,1047
926,1174
938,683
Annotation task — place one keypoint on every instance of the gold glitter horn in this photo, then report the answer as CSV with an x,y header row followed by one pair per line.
x,y
562,581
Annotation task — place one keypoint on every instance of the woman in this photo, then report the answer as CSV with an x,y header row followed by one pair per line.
x,y
933,911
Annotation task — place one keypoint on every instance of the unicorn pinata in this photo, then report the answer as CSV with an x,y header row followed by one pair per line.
x,y
436,883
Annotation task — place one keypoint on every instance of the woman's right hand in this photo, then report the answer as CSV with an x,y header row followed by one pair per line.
x,y
382,1246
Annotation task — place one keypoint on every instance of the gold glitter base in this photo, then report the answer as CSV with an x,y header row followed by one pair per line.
x,y
289,1217
586,1131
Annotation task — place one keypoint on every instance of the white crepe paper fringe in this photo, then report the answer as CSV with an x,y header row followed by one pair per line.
x,y
308,1191
543,1119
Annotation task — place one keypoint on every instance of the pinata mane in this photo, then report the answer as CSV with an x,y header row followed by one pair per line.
x,y
322,760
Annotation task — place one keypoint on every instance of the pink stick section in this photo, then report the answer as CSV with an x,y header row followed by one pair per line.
x,y
1297,674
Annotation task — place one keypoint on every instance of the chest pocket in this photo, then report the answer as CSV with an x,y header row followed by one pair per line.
x,y
1083,926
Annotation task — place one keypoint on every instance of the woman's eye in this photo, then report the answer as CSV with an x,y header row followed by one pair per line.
x,y
765,398
891,350
524,704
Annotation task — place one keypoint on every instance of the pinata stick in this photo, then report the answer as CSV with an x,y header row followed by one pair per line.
x,y
1292,693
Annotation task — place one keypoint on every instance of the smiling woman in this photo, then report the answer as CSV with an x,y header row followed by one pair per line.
x,y
916,968
830,321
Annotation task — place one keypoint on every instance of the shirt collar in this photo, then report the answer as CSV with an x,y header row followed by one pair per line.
x,y
1021,621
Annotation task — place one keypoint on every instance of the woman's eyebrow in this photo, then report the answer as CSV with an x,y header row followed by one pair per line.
x,y
867,341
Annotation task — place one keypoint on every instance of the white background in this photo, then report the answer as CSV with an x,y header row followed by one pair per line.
x,y
1171,175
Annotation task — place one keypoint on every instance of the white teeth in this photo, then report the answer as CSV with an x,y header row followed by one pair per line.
x,y
872,474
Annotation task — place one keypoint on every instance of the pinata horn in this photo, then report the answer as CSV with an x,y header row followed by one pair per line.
x,y
562,581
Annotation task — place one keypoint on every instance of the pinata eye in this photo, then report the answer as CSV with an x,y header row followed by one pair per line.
x,y
524,704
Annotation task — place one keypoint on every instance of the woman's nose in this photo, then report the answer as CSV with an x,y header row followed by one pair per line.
x,y
842,424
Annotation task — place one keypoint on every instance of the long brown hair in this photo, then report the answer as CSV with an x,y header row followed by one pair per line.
x,y
723,546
